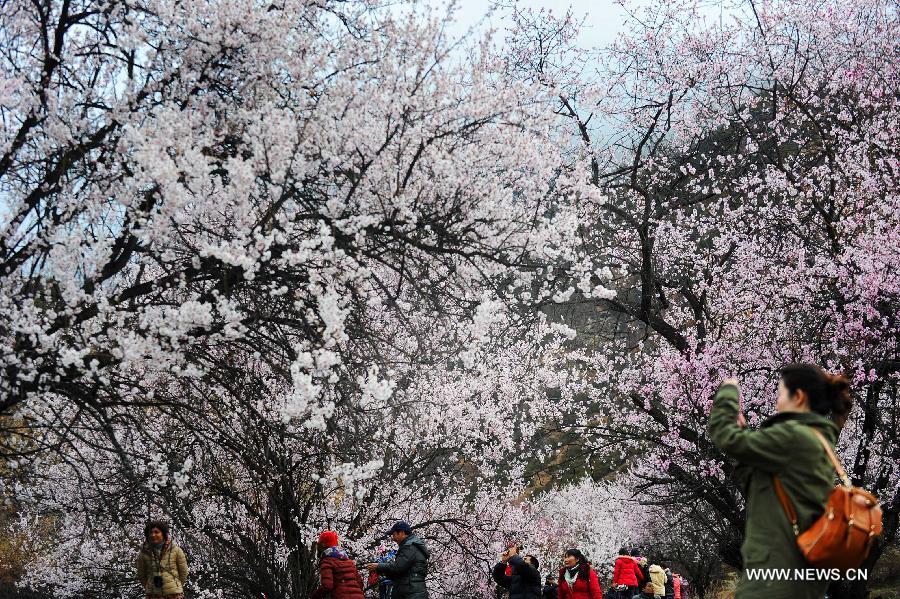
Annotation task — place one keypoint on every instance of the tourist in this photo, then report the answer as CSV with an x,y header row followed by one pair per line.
x,y
409,567
658,578
338,576
577,579
523,581
161,566
550,587
810,402
627,576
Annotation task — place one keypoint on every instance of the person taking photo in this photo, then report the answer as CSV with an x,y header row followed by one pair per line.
x,y
524,579
809,402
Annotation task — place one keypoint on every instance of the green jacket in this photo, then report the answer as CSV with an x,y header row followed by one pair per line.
x,y
783,445
171,565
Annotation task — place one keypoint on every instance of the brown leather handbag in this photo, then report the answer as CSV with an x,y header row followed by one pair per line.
x,y
843,535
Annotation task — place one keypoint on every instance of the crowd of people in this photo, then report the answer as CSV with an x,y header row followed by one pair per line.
x,y
786,450
518,577
401,574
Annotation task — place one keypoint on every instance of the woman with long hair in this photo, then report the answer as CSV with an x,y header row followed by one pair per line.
x,y
577,579
811,406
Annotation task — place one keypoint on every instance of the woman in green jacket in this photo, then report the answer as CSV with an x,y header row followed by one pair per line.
x,y
161,566
808,398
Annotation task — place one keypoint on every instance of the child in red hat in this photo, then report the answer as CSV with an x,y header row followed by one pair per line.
x,y
327,539
337,572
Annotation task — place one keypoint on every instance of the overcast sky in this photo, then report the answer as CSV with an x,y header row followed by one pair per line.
x,y
603,19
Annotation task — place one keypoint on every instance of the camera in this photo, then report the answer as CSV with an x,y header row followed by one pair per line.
x,y
157,581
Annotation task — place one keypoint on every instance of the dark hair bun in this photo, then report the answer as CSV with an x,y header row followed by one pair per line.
x,y
829,394
838,391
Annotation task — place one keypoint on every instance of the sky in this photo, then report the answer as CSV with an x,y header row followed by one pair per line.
x,y
603,19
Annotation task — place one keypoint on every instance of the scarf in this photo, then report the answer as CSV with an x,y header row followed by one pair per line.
x,y
571,575
156,551
335,552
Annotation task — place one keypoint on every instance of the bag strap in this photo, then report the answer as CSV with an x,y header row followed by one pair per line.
x,y
782,495
834,461
786,504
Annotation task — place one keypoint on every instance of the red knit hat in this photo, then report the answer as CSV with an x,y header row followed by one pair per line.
x,y
328,538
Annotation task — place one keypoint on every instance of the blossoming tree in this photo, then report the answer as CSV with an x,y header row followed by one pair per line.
x,y
749,154
264,269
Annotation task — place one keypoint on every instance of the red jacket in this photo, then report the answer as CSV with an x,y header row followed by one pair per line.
x,y
627,572
339,578
587,586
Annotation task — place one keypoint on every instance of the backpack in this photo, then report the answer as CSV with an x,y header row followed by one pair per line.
x,y
844,533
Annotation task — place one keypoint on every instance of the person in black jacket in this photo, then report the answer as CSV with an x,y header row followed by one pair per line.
x,y
524,578
550,587
642,564
409,567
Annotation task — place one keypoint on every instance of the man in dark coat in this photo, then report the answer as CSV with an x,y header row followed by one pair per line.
x,y
550,587
523,580
409,567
